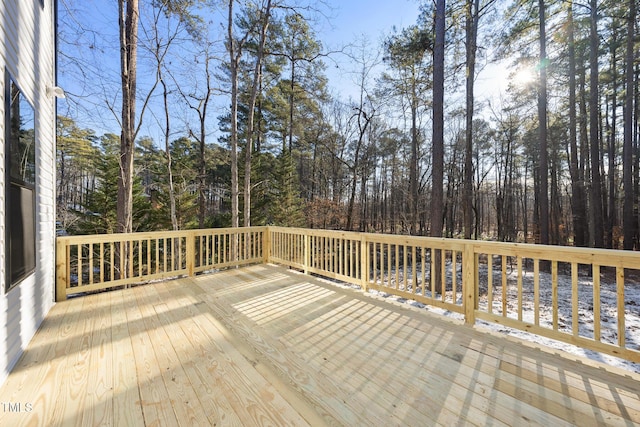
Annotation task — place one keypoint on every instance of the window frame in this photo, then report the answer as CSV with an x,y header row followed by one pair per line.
x,y
12,183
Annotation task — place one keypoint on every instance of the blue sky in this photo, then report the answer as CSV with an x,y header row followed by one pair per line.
x,y
352,20
344,22
373,18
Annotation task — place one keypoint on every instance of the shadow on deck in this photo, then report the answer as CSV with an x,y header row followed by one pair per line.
x,y
263,345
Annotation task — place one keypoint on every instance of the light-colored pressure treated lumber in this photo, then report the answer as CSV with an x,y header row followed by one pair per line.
x,y
264,345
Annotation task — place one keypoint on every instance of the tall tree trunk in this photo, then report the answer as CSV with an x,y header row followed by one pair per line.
x,y
629,221
611,135
596,181
543,165
413,167
202,165
292,98
128,22
583,165
257,80
471,31
437,221
167,151
233,65
577,186
362,130
437,180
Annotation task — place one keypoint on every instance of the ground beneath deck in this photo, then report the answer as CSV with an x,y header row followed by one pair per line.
x,y
263,345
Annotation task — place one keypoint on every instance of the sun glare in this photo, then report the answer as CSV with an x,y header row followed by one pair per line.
x,y
523,77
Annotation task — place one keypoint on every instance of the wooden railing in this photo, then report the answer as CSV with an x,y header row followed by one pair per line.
x,y
97,262
574,295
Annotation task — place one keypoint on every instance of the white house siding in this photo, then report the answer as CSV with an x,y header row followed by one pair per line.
x,y
27,53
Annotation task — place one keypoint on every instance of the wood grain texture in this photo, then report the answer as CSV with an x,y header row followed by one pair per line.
x,y
264,345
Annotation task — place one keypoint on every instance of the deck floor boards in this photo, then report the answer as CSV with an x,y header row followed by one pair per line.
x,y
263,345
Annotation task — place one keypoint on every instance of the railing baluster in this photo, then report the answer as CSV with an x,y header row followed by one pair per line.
x,y
374,260
405,281
101,262
389,264
596,303
157,256
340,269
164,253
504,286
432,278
139,258
536,291
519,281
90,263
454,275
475,258
148,256
360,262
621,306
554,293
443,273
414,271
80,273
112,267
348,269
397,259
423,253
575,322
490,282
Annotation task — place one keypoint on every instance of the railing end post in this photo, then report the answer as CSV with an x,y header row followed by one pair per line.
x,y
307,252
469,283
266,246
62,275
191,253
364,263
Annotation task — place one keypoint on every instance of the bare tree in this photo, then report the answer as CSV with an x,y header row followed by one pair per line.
x,y
543,162
200,104
629,221
437,153
594,140
159,47
235,50
437,199
265,15
577,175
129,15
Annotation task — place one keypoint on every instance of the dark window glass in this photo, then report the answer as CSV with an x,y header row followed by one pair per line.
x,y
20,189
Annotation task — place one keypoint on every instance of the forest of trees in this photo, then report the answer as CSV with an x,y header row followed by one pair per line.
x,y
555,159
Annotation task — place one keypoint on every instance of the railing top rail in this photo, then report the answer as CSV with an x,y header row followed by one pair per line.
x,y
605,257
117,237
612,257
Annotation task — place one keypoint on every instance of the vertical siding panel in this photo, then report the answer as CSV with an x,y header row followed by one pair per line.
x,y
27,37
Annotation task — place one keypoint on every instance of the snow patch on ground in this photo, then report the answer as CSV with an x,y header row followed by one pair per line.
x,y
608,298
586,316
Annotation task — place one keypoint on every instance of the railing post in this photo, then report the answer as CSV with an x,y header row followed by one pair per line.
x,y
62,275
307,252
190,252
364,262
470,285
266,245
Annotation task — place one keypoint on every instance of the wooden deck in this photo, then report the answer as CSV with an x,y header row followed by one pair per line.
x,y
263,345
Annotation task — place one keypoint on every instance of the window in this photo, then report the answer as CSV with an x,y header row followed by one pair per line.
x,y
20,179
